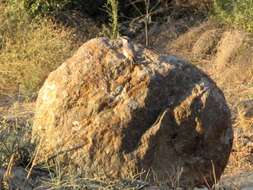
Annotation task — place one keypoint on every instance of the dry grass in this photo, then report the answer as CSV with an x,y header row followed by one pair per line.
x,y
241,156
15,140
17,151
29,50
27,60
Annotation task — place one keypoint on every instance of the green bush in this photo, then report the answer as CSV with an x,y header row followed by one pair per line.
x,y
239,13
112,11
44,7
35,7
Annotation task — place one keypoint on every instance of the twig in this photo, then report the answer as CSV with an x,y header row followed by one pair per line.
x,y
147,16
34,161
65,151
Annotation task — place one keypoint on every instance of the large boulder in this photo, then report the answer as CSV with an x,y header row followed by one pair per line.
x,y
157,113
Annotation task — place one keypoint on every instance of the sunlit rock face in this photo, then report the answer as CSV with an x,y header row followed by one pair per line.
x,y
112,115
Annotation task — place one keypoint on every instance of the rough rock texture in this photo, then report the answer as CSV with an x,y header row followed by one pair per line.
x,y
243,181
245,116
157,113
17,179
246,108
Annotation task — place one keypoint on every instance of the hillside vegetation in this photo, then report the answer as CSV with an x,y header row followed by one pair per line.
x,y
33,44
235,12
36,36
30,49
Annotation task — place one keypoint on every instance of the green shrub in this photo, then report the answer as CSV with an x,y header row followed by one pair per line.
x,y
112,11
36,7
239,13
44,7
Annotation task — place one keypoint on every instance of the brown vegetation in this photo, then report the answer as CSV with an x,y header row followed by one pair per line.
x,y
31,49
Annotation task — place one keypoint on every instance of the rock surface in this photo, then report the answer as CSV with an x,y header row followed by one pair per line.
x,y
17,179
243,181
108,115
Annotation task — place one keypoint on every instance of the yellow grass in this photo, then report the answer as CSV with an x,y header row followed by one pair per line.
x,y
29,50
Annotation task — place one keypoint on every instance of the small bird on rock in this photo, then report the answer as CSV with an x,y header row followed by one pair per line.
x,y
128,50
